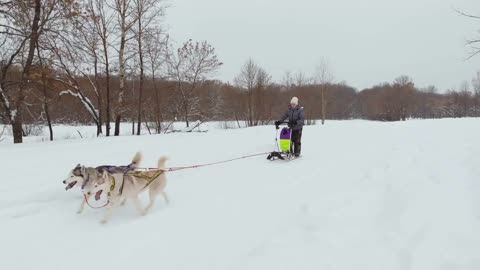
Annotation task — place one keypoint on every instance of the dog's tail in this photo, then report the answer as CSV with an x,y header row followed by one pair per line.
x,y
136,160
161,162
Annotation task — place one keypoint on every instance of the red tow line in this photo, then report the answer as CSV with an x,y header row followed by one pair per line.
x,y
172,169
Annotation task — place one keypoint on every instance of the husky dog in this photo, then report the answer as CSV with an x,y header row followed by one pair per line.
x,y
120,186
82,175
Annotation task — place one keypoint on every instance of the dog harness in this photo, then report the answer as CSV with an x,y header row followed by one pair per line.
x,y
112,169
109,169
142,175
112,187
145,176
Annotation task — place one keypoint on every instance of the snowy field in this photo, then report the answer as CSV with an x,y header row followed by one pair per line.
x,y
364,195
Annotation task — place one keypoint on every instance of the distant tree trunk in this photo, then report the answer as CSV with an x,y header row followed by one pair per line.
x,y
121,105
16,122
476,93
185,109
140,92
140,88
324,104
104,33
45,109
99,96
157,104
123,9
17,129
250,108
108,116
102,28
45,102
44,90
324,78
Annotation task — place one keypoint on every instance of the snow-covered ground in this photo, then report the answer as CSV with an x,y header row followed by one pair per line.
x,y
364,195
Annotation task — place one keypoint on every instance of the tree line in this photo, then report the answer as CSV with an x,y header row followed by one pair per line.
x,y
105,62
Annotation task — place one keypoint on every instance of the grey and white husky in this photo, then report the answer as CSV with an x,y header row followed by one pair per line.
x,y
81,175
120,186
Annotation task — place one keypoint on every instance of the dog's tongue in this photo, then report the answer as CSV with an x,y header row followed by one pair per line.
x,y
97,195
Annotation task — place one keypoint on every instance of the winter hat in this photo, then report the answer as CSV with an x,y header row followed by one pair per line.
x,y
294,100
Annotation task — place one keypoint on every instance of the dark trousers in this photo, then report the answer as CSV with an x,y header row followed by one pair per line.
x,y
296,142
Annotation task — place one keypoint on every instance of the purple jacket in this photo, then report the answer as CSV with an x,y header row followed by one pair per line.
x,y
296,115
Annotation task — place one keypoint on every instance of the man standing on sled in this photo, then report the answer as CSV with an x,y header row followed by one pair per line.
x,y
296,119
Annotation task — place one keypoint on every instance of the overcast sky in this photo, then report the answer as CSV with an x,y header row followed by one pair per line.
x,y
366,42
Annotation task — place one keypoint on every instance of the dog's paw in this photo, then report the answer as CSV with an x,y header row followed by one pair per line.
x,y
80,211
103,221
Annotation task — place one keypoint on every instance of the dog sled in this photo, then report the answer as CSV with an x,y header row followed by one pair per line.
x,y
283,145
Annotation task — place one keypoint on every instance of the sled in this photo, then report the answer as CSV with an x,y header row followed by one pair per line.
x,y
283,147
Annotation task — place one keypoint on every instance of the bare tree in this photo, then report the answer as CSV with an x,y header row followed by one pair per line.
x,y
75,49
22,24
246,80
473,43
45,75
147,12
127,19
263,105
287,80
301,79
156,44
402,97
88,41
254,80
98,23
19,32
69,60
189,67
323,78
